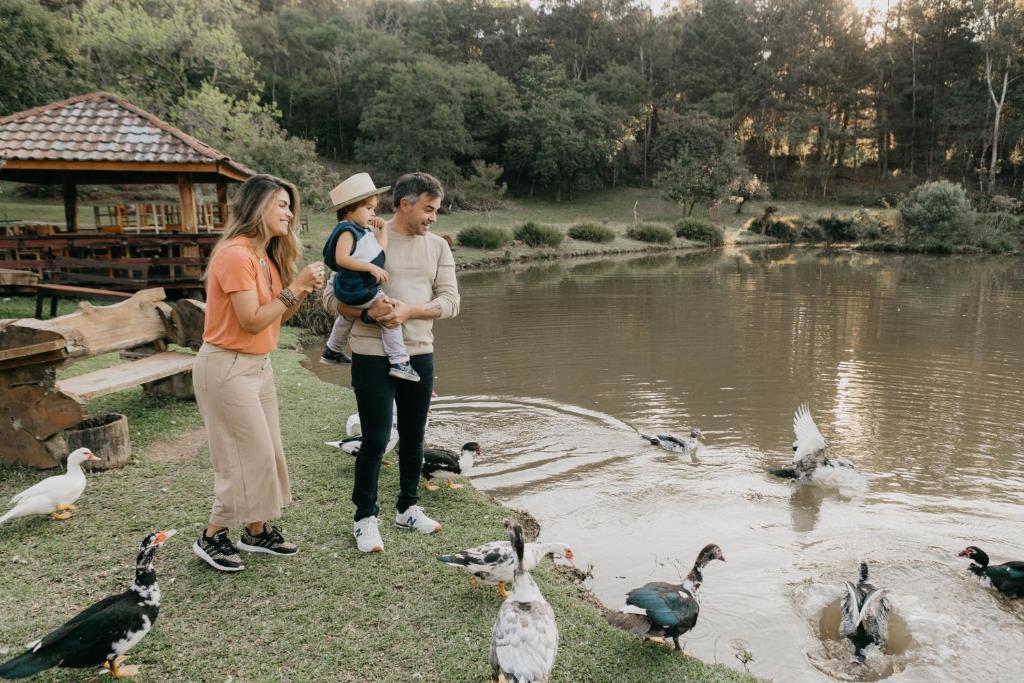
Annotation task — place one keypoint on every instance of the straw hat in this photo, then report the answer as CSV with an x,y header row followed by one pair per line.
x,y
354,189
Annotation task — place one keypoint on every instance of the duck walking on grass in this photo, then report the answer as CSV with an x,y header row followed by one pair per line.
x,y
669,610
493,564
54,496
104,632
674,444
1007,578
440,464
525,638
865,615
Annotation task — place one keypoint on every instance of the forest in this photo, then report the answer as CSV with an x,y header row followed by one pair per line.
x,y
851,100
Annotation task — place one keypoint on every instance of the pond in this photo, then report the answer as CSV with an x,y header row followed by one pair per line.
x,y
913,368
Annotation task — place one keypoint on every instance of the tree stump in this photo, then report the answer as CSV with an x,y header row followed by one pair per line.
x,y
106,436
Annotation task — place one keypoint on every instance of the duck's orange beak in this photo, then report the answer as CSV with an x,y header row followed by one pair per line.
x,y
163,536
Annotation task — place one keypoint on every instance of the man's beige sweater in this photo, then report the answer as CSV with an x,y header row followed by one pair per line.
x,y
422,270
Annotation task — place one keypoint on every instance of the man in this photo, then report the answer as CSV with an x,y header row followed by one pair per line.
x,y
421,288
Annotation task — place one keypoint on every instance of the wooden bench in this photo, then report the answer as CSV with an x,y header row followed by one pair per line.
x,y
126,375
55,293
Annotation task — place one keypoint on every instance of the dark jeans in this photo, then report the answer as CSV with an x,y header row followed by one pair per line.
x,y
375,391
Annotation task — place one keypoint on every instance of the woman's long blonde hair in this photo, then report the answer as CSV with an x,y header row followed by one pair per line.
x,y
247,219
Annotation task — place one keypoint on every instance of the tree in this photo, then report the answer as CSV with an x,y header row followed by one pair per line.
x,y
705,164
38,57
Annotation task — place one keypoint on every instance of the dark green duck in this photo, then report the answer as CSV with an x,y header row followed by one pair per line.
x,y
1006,578
104,632
670,610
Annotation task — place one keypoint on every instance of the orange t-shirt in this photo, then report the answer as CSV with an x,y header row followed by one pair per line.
x,y
236,268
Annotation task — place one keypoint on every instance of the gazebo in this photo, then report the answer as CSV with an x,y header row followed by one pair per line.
x,y
102,139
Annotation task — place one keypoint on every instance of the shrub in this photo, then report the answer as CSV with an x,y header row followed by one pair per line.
x,y
484,237
838,228
700,231
772,224
536,235
937,212
648,232
871,225
591,232
812,232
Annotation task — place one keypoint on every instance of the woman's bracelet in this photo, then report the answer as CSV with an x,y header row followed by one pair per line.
x,y
287,297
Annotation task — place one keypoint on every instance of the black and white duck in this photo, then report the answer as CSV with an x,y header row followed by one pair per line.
x,y
104,632
524,642
440,464
493,564
673,444
354,434
864,613
810,450
54,496
669,609
1007,578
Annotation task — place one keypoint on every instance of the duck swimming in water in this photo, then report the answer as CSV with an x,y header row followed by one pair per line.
x,y
1007,578
810,450
865,615
104,632
674,444
670,610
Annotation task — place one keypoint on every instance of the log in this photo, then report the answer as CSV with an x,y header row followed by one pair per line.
x,y
189,319
90,331
106,436
33,412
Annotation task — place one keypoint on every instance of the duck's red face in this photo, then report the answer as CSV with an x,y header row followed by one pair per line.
x,y
568,553
967,552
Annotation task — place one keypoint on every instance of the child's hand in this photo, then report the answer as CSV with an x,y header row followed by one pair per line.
x,y
379,274
376,222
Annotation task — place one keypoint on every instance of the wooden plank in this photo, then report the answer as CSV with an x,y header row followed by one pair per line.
x,y
32,349
125,375
71,204
17,277
137,166
187,199
85,291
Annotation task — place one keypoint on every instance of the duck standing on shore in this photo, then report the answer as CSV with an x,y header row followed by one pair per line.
x,y
865,615
674,444
104,632
669,610
524,642
1007,578
54,496
444,465
494,563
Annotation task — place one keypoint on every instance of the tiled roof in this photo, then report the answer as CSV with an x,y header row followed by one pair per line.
x,y
102,127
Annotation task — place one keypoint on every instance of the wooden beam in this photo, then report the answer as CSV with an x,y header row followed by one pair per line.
x,y
231,172
56,177
114,379
187,201
130,166
70,204
222,200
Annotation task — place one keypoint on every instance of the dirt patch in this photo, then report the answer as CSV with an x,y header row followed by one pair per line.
x,y
178,449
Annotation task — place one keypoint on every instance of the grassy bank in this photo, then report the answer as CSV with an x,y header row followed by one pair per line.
x,y
328,613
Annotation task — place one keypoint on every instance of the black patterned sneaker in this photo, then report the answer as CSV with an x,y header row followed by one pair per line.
x,y
219,552
404,371
332,357
270,541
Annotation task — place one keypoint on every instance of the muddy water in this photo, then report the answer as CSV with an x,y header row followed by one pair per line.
x,y
913,368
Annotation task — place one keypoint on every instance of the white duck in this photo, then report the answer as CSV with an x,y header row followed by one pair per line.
x,y
524,642
494,563
354,432
810,450
55,495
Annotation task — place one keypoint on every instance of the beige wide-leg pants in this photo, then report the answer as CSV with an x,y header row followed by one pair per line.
x,y
238,401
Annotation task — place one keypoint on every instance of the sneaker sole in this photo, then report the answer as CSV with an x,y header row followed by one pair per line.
x,y
209,560
412,528
259,549
405,377
374,549
334,362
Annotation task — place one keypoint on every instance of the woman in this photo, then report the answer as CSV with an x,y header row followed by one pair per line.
x,y
251,288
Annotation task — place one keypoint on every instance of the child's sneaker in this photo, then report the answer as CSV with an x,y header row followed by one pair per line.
x,y
416,519
332,357
367,535
269,541
404,371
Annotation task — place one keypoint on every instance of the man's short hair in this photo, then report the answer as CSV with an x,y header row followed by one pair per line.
x,y
411,185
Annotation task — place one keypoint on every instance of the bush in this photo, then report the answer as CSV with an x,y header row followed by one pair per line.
x,y
812,232
536,235
484,237
773,225
871,225
936,212
700,231
838,228
591,232
648,232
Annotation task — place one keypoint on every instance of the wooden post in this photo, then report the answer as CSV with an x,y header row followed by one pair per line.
x,y
187,200
222,202
70,204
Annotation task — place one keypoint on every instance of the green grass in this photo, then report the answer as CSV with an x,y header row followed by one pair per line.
x,y
329,613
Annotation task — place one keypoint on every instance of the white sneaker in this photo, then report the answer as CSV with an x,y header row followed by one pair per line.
x,y
368,535
415,518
